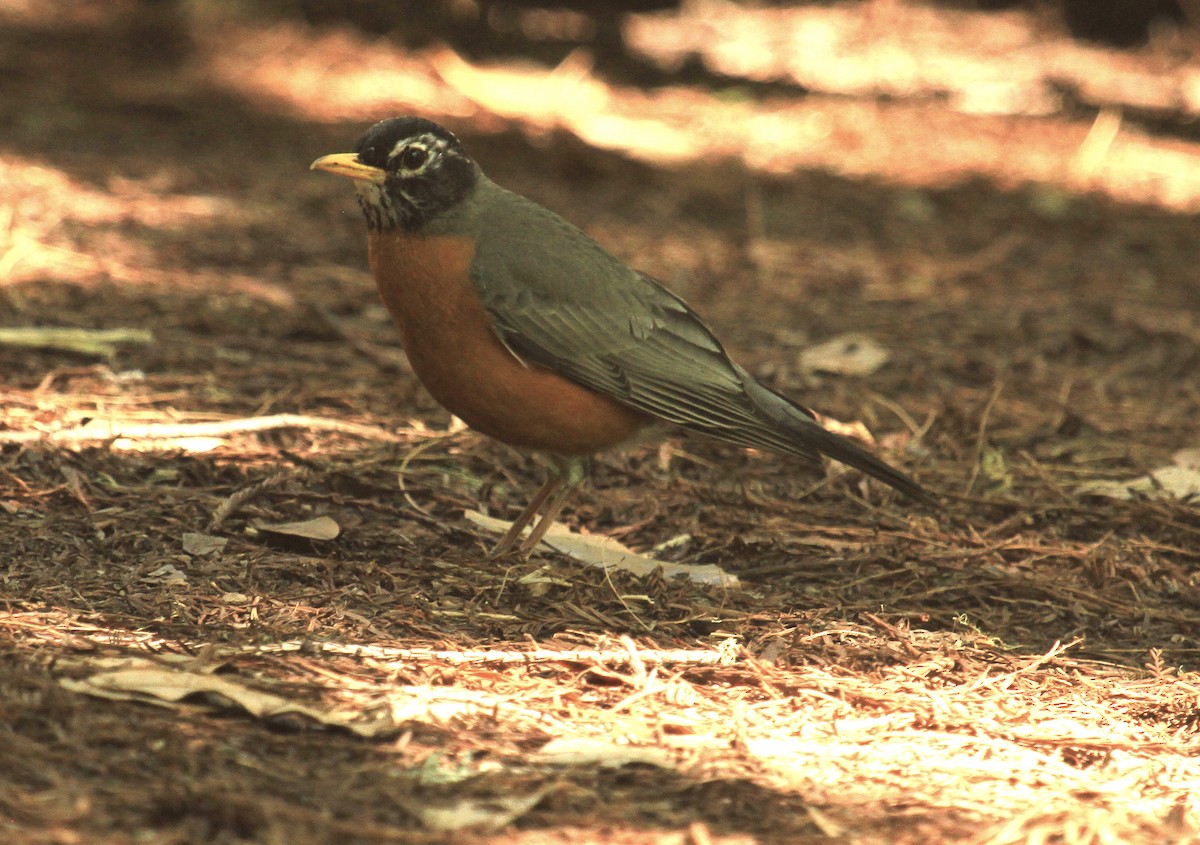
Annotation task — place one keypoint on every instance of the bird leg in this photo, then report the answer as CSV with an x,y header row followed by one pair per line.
x,y
548,516
566,474
531,510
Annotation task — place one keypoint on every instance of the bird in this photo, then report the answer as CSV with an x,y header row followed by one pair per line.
x,y
532,333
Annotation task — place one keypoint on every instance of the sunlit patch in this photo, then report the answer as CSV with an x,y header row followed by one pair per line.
x,y
126,411
41,199
530,93
338,75
40,235
330,75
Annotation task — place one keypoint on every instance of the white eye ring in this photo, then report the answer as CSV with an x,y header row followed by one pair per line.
x,y
413,156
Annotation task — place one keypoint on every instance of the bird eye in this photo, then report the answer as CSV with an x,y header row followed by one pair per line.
x,y
413,157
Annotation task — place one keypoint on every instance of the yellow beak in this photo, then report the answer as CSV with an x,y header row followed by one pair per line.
x,y
347,164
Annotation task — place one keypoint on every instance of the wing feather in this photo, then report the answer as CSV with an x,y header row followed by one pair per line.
x,y
563,302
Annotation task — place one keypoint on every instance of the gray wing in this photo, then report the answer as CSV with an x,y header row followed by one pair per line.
x,y
563,302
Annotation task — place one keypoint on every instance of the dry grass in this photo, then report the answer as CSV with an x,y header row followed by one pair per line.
x,y
887,734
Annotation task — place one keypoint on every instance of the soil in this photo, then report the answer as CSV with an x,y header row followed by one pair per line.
x,y
1018,667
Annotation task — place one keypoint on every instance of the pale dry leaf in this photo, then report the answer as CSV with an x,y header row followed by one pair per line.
x,y
482,814
317,528
96,342
586,751
1189,458
675,542
202,544
608,553
1180,482
544,575
1173,482
851,354
168,575
151,682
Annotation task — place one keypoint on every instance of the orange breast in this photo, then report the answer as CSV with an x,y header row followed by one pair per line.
x,y
447,334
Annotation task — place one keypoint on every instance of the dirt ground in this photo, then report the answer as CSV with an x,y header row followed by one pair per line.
x,y
1008,214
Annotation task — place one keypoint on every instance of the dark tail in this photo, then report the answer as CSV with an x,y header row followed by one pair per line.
x,y
804,436
848,452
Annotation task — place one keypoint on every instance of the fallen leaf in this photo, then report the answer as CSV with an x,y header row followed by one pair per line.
x,y
585,751
851,354
482,814
97,342
317,528
168,575
1173,482
544,576
202,544
675,542
608,553
152,682
1181,480
1189,458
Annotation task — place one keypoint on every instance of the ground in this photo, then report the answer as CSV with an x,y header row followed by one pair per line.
x,y
1010,216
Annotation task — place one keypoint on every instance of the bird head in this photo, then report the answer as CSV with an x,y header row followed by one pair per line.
x,y
407,172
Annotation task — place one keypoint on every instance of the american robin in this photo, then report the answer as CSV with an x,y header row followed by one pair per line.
x,y
534,334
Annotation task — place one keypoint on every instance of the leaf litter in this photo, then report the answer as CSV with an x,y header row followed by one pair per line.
x,y
1019,669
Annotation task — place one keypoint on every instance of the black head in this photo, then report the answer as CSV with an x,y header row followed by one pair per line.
x,y
408,171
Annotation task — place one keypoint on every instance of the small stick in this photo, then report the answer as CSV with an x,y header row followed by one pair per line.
x,y
99,431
